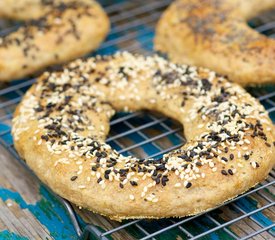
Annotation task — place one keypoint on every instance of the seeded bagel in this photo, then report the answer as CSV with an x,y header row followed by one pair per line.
x,y
214,34
60,128
54,32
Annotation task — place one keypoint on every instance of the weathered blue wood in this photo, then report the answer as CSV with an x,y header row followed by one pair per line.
x,y
7,235
49,212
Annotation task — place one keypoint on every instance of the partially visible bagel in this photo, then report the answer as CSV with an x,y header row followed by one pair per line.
x,y
61,125
55,31
214,34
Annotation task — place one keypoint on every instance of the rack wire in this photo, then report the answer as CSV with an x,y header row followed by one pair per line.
x,y
144,134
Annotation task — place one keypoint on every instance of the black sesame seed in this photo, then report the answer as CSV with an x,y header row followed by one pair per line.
x,y
99,180
257,165
206,85
225,159
199,164
133,183
111,165
73,178
157,180
185,166
268,144
113,160
188,185
94,168
155,173
98,154
121,185
192,154
223,172
45,137
106,175
246,157
231,156
183,156
230,172
164,180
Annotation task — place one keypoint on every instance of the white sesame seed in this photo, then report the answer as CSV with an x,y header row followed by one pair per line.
x,y
132,197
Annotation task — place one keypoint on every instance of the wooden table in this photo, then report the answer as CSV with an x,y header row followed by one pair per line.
x,y
29,211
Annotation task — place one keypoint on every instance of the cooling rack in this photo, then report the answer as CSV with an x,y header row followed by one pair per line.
x,y
146,134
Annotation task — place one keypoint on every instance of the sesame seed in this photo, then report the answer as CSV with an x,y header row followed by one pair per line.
x,y
188,185
230,172
133,183
73,178
223,172
255,164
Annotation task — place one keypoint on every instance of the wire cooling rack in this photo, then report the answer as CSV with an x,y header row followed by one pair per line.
x,y
144,134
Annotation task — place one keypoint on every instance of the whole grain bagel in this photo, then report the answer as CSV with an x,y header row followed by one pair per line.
x,y
54,32
60,128
214,34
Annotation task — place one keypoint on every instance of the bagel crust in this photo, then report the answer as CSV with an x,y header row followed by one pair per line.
x,y
214,34
54,32
60,128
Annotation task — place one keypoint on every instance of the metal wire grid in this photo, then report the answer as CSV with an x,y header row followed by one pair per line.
x,y
151,135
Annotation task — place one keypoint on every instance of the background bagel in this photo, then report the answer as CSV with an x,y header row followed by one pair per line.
x,y
61,124
55,31
214,34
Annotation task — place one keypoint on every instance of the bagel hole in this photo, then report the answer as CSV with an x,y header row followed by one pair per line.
x,y
145,134
264,23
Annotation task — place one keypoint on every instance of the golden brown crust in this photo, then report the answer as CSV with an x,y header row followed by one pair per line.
x,y
55,32
60,127
214,34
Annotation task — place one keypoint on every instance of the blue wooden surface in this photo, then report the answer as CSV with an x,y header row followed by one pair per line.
x,y
48,211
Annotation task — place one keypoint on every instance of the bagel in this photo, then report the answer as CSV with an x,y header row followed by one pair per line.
x,y
214,34
55,31
60,128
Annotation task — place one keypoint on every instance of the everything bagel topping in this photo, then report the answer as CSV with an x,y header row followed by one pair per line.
x,y
48,34
55,11
63,99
